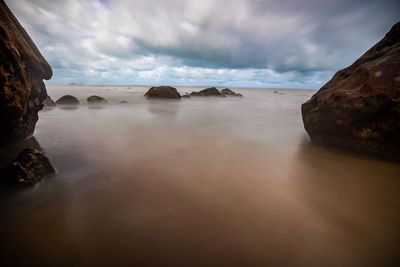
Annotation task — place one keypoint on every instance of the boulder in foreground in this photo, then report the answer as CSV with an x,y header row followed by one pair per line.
x,y
29,168
22,70
359,108
67,100
163,92
229,92
212,91
96,99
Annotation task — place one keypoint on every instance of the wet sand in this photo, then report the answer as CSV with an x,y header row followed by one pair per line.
x,y
198,182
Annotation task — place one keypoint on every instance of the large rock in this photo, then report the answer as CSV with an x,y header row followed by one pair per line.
x,y
163,92
212,91
68,100
29,168
359,108
22,70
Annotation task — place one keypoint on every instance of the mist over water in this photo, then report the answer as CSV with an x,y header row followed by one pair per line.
x,y
198,182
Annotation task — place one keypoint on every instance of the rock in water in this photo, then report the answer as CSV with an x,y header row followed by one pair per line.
x,y
212,91
67,100
96,99
22,70
359,108
229,92
49,103
163,92
29,168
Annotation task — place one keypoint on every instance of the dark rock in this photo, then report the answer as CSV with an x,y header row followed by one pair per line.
x,y
212,91
29,168
163,92
49,103
359,108
229,92
96,99
276,92
123,102
22,70
67,100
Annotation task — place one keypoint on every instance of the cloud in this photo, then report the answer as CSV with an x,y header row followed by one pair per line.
x,y
247,42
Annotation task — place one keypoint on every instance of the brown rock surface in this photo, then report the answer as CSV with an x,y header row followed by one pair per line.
x,y
29,168
359,108
22,70
163,92
212,91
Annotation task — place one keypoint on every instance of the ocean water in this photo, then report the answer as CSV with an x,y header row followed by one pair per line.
x,y
198,182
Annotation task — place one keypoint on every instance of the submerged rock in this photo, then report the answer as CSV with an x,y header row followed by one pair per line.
x,y
212,91
67,100
29,168
22,70
123,102
49,103
96,99
359,108
229,92
163,92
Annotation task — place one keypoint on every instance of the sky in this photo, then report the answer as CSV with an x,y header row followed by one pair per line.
x,y
237,43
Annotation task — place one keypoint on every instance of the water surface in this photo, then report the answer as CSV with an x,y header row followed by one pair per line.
x,y
198,182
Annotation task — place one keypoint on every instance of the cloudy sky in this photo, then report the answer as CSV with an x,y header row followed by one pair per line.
x,y
248,43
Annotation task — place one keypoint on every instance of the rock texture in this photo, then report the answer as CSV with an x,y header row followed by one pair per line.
x,y
29,168
22,70
163,92
96,99
229,92
212,91
67,100
359,108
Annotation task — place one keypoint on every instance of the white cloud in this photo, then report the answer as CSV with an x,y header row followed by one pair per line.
x,y
248,42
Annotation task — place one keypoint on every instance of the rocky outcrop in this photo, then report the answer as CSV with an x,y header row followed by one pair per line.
x,y
212,91
163,92
29,168
359,108
229,92
22,70
67,100
94,99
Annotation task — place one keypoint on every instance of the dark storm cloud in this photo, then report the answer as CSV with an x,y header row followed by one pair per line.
x,y
290,42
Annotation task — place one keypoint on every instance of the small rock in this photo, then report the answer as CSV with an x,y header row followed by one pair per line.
x,y
212,91
48,102
229,92
96,99
163,92
68,100
29,168
123,102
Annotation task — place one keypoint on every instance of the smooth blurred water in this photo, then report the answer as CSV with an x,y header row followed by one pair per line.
x,y
198,182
